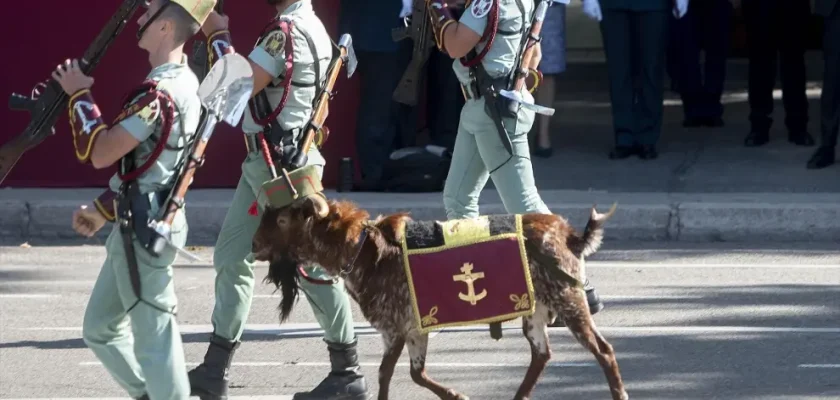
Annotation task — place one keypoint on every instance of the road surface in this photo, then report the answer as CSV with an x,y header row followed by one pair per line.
x,y
695,322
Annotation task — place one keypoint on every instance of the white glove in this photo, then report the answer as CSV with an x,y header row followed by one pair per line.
x,y
592,9
406,8
680,8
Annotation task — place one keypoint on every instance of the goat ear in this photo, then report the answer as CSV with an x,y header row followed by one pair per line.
x,y
316,206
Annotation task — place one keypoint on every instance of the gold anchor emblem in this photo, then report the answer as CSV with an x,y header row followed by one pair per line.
x,y
469,278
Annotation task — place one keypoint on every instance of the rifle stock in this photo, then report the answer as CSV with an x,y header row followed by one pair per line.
x,y
419,31
47,107
321,109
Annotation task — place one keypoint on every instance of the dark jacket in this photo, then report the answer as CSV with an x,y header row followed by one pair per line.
x,y
639,5
824,7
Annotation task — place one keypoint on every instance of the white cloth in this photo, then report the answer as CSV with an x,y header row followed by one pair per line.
x,y
592,9
406,8
680,8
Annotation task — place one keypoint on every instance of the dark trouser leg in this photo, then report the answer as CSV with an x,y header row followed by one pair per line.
x,y
715,26
378,124
444,101
688,53
762,70
830,99
652,34
794,16
615,30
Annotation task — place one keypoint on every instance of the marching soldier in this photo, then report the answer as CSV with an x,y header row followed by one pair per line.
x,y
148,139
290,62
492,142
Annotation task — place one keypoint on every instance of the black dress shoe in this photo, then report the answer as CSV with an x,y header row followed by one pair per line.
x,y
801,139
693,122
823,157
714,122
755,139
648,152
543,152
622,152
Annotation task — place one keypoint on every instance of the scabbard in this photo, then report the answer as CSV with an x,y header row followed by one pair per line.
x,y
493,105
126,222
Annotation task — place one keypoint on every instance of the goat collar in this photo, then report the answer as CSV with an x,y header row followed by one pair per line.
x,y
346,269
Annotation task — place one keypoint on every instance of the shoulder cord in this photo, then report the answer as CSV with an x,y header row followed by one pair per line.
x,y
128,172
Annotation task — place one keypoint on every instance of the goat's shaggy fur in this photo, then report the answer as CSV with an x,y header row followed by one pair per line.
x,y
314,230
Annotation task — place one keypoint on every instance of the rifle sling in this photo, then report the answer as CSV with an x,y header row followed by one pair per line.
x,y
262,107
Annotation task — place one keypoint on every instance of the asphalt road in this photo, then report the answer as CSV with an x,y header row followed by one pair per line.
x,y
705,322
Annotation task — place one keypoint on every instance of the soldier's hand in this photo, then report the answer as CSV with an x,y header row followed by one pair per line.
x,y
71,78
87,222
215,22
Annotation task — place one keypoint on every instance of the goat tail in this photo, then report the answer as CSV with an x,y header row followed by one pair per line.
x,y
283,274
593,234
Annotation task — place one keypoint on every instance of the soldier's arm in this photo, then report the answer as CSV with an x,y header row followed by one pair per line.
x,y
219,43
456,38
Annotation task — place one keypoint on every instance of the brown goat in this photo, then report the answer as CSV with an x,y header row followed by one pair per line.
x,y
330,233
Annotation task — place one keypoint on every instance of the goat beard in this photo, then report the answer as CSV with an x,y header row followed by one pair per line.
x,y
283,273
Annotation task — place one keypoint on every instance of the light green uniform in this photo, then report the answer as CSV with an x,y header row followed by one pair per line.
x,y
479,153
147,357
232,258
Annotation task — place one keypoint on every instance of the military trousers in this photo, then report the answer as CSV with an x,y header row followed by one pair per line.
x,y
234,265
479,155
138,342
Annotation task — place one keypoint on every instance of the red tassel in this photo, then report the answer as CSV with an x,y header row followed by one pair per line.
x,y
253,209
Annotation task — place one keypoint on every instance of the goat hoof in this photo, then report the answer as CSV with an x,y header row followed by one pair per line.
x,y
453,395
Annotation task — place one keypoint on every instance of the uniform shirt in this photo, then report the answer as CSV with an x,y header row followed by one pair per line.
x,y
500,58
181,84
271,56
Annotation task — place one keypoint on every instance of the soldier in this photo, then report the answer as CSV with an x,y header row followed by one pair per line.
x,y
149,139
491,142
286,80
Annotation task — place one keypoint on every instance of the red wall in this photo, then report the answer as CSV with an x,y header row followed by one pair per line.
x,y
38,37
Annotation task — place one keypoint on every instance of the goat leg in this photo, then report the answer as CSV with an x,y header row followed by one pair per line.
x,y
583,328
417,346
393,350
534,328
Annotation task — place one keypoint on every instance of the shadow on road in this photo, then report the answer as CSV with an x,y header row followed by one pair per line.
x,y
743,364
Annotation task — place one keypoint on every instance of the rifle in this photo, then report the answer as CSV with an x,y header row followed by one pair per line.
x,y
420,32
347,56
186,171
44,109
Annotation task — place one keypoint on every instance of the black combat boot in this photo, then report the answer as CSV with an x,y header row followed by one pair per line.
x,y
592,299
209,381
345,382
143,397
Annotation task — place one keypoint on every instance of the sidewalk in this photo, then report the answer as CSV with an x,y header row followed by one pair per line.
x,y
705,186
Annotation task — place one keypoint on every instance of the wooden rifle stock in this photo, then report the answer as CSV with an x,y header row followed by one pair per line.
x,y
52,101
522,70
322,109
420,32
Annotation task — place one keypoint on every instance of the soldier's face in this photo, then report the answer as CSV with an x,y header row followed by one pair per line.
x,y
153,32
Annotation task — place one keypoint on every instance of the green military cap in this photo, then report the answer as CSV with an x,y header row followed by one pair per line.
x,y
198,9
305,182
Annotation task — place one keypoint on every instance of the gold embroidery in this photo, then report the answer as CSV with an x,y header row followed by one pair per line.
x,y
430,319
275,43
522,303
458,231
469,278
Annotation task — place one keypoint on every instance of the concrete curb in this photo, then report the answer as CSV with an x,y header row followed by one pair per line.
x,y
39,215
